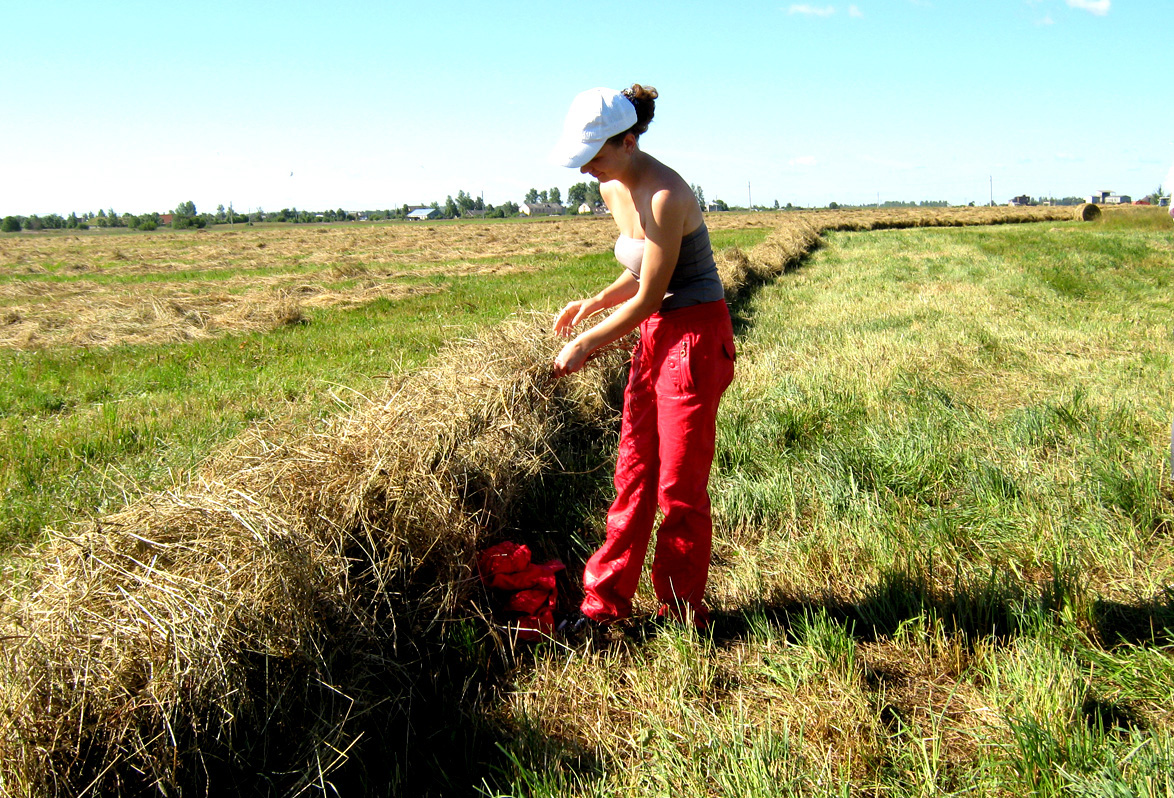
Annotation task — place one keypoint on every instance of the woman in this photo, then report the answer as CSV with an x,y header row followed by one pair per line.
x,y
684,360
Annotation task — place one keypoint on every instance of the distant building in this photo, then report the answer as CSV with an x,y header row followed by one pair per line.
x,y
1164,202
542,209
1109,198
423,214
1021,200
588,208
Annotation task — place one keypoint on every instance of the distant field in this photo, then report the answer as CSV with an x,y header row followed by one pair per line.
x,y
105,289
130,356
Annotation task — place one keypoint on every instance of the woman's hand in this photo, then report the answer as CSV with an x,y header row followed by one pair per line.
x,y
572,314
570,359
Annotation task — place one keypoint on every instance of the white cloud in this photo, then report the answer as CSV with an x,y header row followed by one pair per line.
x,y
1047,20
802,160
1098,7
855,12
813,11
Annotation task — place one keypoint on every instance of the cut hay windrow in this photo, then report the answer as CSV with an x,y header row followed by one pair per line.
x,y
240,631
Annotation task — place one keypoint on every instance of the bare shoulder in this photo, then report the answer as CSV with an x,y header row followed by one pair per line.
x,y
619,201
673,198
609,191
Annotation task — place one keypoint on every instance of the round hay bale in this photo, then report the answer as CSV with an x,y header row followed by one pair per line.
x,y
1088,212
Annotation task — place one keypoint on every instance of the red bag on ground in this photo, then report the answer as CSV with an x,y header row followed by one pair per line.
x,y
529,589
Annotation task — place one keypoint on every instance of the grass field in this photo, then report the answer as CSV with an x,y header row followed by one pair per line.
x,y
944,564
943,503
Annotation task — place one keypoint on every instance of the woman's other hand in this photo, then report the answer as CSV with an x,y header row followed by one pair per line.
x,y
570,359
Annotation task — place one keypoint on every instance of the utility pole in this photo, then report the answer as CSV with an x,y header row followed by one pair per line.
x,y
992,191
748,195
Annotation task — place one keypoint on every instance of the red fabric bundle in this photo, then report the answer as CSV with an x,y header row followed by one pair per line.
x,y
529,588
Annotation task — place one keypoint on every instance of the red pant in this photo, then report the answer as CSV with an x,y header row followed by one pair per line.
x,y
682,364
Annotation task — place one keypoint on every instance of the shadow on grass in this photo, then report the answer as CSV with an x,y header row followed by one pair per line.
x,y
994,609
1150,622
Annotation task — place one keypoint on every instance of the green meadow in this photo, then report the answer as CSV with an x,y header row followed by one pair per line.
x,y
942,498
943,563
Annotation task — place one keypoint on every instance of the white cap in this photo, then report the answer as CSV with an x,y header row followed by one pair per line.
x,y
595,116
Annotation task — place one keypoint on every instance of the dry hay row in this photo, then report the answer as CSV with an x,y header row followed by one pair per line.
x,y
37,314
382,246
289,586
243,622
116,318
194,300
85,314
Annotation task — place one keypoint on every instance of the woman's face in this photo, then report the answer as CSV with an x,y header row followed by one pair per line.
x,y
607,163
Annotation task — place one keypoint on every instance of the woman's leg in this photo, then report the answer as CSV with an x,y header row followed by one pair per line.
x,y
698,370
613,572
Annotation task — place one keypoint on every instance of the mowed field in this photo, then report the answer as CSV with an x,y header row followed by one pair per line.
x,y
131,356
942,496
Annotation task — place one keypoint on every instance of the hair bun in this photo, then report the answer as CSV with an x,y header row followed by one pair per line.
x,y
644,99
638,92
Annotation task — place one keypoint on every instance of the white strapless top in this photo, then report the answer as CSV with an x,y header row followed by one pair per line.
x,y
630,252
694,278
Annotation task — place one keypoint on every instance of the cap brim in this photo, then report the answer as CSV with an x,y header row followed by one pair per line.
x,y
573,153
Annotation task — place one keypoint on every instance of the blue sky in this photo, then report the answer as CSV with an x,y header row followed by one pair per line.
x,y
139,106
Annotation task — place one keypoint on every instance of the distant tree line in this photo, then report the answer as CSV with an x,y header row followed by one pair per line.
x,y
85,221
185,215
577,195
1061,201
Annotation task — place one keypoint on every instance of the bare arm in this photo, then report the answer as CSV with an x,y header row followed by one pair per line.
x,y
623,289
662,231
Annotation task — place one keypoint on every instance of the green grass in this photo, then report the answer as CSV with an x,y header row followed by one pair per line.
x,y
190,274
944,514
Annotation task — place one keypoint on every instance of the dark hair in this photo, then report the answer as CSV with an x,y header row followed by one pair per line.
x,y
644,98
